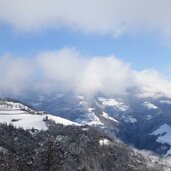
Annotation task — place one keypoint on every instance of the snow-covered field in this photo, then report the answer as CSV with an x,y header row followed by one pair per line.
x,y
20,115
28,121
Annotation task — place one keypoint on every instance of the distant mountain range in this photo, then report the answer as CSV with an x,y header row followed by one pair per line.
x,y
144,123
135,120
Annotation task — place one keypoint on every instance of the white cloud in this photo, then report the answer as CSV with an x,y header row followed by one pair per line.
x,y
109,75
152,84
61,69
99,16
68,70
15,74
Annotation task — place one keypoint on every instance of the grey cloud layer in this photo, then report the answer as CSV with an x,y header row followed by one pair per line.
x,y
102,16
67,70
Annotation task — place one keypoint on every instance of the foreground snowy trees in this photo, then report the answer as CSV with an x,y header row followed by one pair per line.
x,y
69,148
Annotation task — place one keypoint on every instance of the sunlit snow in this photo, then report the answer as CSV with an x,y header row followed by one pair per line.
x,y
112,102
150,106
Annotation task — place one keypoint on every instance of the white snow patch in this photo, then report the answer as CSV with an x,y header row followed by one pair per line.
x,y
165,101
90,109
149,117
104,142
150,105
129,119
60,120
91,119
105,115
164,134
81,97
112,102
83,103
85,129
90,116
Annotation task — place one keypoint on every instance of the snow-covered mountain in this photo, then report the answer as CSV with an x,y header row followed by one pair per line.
x,y
144,123
133,119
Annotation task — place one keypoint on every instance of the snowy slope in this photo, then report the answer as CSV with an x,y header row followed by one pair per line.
x,y
12,107
150,106
26,121
164,134
165,101
112,102
29,121
105,115
20,115
90,118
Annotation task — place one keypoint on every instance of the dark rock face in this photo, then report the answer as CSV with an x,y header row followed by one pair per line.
x,y
67,148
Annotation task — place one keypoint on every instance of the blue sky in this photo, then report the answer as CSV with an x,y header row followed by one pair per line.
x,y
89,45
141,51
135,31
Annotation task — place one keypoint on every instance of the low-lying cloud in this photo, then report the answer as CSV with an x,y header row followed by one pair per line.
x,y
71,71
151,83
97,16
68,70
15,74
